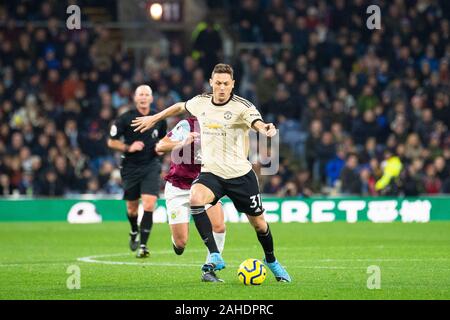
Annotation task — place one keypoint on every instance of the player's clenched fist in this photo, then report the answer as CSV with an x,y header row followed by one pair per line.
x,y
142,124
270,130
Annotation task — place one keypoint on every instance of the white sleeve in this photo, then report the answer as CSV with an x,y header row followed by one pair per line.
x,y
180,131
195,105
251,115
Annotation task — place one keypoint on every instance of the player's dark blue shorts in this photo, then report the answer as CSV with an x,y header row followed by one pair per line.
x,y
243,191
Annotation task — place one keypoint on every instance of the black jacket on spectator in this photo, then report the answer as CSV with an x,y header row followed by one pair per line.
x,y
350,181
311,150
411,185
362,130
50,188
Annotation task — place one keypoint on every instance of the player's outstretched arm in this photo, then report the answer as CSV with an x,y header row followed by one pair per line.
x,y
267,129
166,144
142,124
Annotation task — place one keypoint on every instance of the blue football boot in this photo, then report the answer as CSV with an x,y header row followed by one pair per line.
x,y
217,261
278,270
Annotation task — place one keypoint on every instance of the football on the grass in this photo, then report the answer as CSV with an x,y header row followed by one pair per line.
x,y
252,272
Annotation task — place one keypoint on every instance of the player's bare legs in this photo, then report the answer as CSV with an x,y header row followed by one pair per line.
x,y
258,222
199,197
216,216
180,231
132,214
148,202
265,238
180,234
132,208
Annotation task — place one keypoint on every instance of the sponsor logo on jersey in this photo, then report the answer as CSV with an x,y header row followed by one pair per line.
x,y
213,125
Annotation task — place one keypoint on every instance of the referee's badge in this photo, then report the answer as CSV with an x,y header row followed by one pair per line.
x,y
227,115
113,130
155,133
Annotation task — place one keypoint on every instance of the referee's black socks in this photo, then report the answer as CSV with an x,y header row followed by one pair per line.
x,y
133,222
146,226
204,227
267,243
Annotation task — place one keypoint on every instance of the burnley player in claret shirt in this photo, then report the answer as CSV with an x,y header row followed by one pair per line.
x,y
184,144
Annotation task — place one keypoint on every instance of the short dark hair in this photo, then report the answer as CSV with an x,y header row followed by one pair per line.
x,y
351,155
223,68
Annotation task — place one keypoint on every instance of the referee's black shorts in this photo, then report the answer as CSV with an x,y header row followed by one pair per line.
x,y
243,191
138,180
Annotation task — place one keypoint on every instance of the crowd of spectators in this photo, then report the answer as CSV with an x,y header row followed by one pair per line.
x,y
346,99
352,99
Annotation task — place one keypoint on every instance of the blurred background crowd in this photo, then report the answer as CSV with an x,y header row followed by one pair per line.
x,y
360,112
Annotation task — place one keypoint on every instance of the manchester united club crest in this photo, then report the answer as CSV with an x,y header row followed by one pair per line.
x,y
227,115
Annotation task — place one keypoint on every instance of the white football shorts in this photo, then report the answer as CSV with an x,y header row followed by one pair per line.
x,y
177,204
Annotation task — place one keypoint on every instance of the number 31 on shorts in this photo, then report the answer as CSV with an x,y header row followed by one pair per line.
x,y
256,201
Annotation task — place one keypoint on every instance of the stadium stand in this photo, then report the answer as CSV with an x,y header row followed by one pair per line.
x,y
360,111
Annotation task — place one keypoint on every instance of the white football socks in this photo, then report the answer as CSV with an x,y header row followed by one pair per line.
x,y
220,242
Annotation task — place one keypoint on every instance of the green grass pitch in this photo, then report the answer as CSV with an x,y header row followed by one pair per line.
x,y
326,261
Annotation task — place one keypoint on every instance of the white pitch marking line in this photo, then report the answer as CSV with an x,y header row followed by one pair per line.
x,y
165,264
94,259
31,264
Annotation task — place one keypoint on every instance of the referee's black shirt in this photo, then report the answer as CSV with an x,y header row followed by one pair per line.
x,y
122,128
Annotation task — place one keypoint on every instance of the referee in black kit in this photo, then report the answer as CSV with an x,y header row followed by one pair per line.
x,y
140,168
